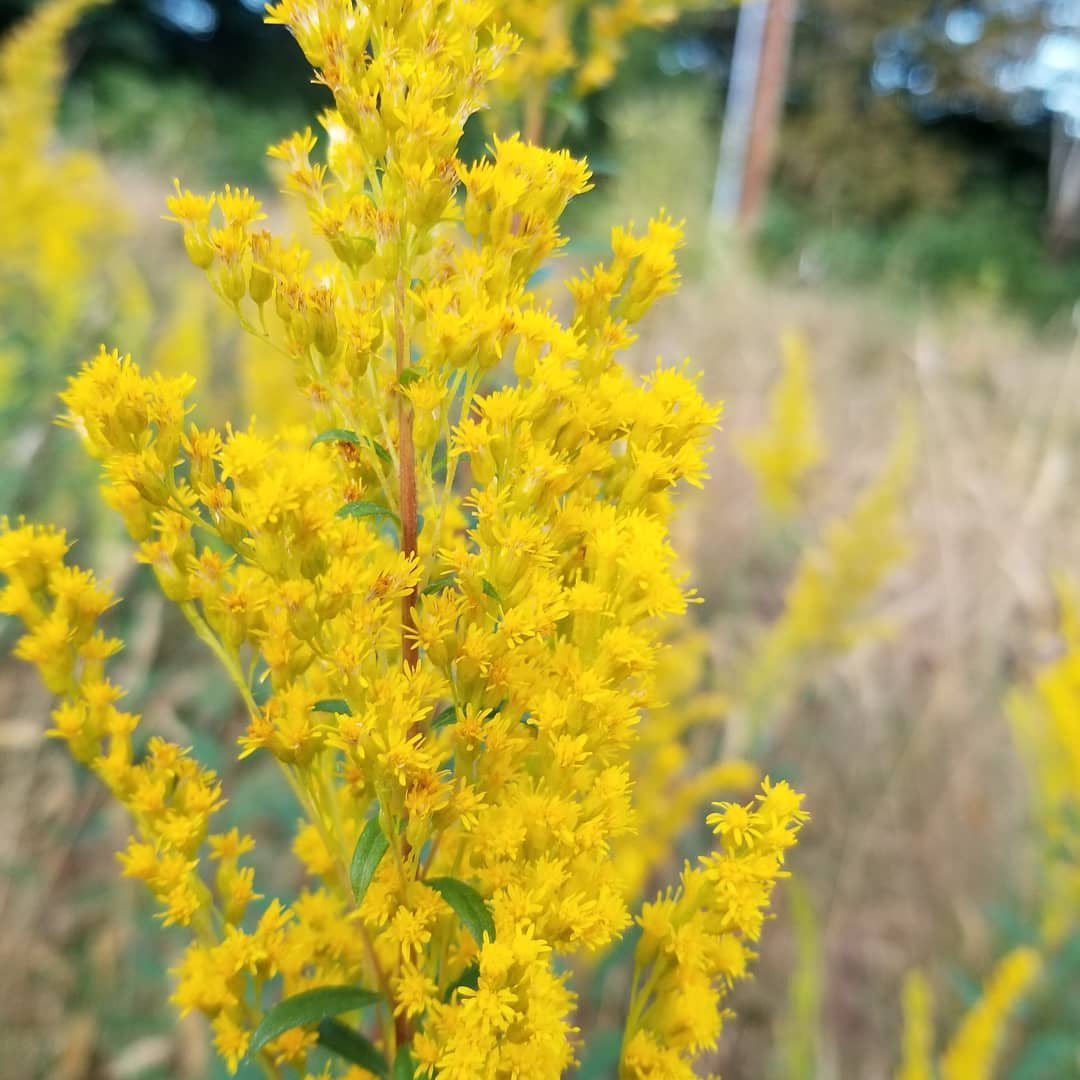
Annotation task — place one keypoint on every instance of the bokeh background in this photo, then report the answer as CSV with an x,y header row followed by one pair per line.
x,y
900,236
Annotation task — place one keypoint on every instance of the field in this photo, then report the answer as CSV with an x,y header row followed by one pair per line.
x,y
929,839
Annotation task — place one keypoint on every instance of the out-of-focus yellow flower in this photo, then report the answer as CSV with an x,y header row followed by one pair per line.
x,y
825,607
789,446
571,47
917,1062
973,1049
57,213
1046,724
696,940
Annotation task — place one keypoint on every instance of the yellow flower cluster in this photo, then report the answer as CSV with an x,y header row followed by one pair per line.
x,y
972,1052
169,797
1046,723
824,610
974,1046
56,213
790,445
696,939
578,43
452,684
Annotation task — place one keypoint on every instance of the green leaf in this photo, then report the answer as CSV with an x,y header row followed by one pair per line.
x,y
468,904
312,1005
366,509
470,977
411,375
404,1069
447,716
334,705
381,452
336,435
342,1040
439,584
490,590
367,855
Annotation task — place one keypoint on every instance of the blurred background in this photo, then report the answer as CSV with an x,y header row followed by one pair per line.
x,y
881,277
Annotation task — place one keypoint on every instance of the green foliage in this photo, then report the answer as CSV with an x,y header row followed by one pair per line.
x,y
127,112
846,150
987,245
311,1006
1050,1049
468,905
367,855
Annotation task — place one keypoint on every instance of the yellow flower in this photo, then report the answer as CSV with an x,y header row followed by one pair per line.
x,y
918,1042
452,683
790,445
973,1048
695,940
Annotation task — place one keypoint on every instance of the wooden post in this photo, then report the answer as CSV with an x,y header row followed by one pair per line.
x,y
739,113
768,105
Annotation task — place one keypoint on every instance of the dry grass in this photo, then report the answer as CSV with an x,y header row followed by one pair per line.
x,y
917,796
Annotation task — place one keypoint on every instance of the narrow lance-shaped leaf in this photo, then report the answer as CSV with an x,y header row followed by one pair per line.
x,y
366,509
468,904
334,705
367,855
439,584
381,452
355,1048
336,435
404,1068
322,1003
470,977
447,716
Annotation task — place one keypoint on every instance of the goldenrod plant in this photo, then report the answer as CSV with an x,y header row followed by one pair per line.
x,y
826,607
973,1050
441,603
1046,724
567,51
800,1048
917,1046
789,445
61,268
56,208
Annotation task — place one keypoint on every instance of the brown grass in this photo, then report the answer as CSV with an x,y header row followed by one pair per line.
x,y
917,795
